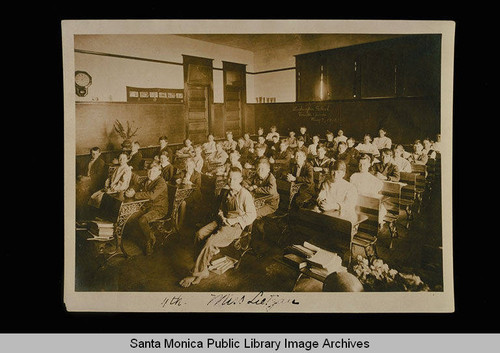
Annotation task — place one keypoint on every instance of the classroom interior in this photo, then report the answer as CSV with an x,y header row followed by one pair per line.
x,y
189,86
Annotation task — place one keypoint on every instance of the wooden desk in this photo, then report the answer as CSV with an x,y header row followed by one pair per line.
x,y
260,200
287,191
117,208
177,196
319,178
323,228
392,190
408,194
212,183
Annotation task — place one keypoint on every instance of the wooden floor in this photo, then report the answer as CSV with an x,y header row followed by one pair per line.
x,y
416,251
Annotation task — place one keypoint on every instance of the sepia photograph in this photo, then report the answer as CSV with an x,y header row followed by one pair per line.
x,y
258,166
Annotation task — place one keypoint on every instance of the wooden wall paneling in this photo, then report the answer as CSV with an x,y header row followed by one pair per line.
x,y
378,72
421,67
94,124
341,75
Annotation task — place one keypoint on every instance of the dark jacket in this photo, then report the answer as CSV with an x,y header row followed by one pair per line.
x,y
98,172
169,151
156,191
306,175
168,172
390,170
136,161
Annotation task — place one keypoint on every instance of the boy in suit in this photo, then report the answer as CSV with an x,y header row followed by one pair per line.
x,y
154,188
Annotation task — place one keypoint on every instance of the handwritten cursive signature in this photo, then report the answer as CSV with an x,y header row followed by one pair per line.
x,y
260,299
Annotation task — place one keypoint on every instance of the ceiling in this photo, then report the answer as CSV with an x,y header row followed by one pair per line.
x,y
258,42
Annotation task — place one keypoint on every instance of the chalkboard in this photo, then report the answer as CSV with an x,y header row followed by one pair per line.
x,y
404,119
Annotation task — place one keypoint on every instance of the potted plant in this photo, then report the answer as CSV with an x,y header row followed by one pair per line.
x,y
125,134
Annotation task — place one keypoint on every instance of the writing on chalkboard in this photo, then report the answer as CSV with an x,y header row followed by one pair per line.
x,y
312,111
318,113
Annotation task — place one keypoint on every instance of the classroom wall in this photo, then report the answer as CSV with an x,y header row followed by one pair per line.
x,y
94,124
111,75
404,119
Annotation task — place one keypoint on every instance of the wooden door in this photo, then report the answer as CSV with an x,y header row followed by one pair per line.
x,y
234,97
198,85
197,112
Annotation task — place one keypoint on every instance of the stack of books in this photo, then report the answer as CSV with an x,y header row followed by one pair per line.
x,y
222,264
101,230
318,261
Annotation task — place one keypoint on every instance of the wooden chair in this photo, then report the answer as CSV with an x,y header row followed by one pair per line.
x,y
171,223
408,195
287,191
366,236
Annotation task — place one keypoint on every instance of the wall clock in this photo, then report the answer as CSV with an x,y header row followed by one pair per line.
x,y
82,82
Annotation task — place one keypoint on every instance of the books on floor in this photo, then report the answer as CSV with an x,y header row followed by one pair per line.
x,y
222,264
101,229
313,258
295,261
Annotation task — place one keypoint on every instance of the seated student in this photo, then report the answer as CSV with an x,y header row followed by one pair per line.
x,y
382,141
93,171
243,151
368,184
301,145
260,132
163,140
229,144
234,162
385,169
330,145
189,176
283,155
403,164
167,169
321,163
340,137
135,157
274,146
428,148
91,174
436,145
119,181
367,147
418,156
186,151
261,141
209,147
272,133
352,156
263,182
365,182
260,154
236,212
154,188
301,171
336,193
249,143
218,159
311,149
304,134
292,141
198,158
